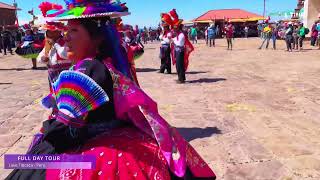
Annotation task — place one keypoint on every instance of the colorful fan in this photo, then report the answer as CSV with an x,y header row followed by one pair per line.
x,y
77,94
48,102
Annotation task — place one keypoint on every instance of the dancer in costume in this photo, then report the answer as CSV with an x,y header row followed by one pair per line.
x,y
115,120
30,48
182,47
165,39
133,52
54,54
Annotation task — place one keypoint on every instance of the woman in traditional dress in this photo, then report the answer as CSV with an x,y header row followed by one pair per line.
x,y
115,120
30,48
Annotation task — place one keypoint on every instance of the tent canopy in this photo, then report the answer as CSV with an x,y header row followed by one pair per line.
x,y
234,15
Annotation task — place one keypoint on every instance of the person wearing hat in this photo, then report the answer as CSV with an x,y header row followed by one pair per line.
x,y
289,37
267,31
165,39
102,113
54,54
30,47
181,47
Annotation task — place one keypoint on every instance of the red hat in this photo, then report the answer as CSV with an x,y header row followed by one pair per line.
x,y
166,19
176,20
45,7
54,26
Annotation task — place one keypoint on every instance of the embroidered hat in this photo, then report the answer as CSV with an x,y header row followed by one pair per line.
x,y
171,19
76,9
48,10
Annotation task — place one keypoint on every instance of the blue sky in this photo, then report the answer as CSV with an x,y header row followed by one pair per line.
x,y
147,12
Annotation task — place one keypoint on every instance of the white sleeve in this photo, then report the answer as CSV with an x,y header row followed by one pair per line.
x,y
61,50
182,39
41,54
161,37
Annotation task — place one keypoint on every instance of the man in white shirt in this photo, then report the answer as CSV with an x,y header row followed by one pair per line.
x,y
165,50
179,50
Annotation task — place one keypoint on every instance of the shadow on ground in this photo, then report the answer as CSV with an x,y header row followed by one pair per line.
x,y
5,83
207,80
195,133
24,69
146,70
149,48
194,72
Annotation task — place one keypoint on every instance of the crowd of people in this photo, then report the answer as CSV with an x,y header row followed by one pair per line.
x,y
9,40
294,34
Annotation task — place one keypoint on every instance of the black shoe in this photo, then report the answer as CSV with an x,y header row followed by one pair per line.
x,y
180,82
34,68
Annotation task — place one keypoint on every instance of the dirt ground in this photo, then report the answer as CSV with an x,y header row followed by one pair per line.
x,y
251,114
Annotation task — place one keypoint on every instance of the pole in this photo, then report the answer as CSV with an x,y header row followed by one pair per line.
x,y
264,8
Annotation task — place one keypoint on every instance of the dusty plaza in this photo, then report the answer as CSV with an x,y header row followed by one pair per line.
x,y
251,114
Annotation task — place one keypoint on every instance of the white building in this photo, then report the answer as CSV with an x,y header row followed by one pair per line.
x,y
311,12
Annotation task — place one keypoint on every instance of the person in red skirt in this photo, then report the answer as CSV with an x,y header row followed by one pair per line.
x,y
102,113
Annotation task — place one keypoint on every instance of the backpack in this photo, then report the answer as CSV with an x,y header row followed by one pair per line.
x,y
306,31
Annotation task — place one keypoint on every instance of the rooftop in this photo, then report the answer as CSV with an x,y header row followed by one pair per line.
x,y
221,14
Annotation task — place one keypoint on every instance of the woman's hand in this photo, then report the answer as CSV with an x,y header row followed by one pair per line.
x,y
44,59
50,41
